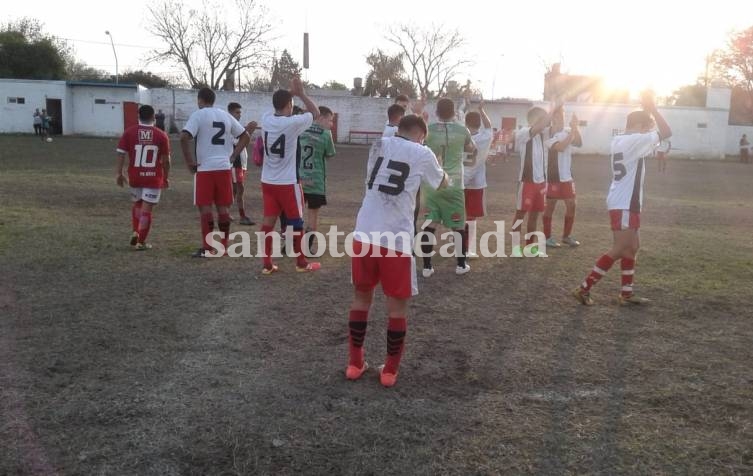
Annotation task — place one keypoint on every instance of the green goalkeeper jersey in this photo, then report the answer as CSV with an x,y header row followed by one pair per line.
x,y
316,147
448,140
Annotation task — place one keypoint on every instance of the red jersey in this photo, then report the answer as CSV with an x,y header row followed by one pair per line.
x,y
145,147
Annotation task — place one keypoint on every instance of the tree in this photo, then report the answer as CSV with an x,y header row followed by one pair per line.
x,y
204,45
735,64
80,71
334,85
27,53
691,95
284,70
387,76
145,78
433,56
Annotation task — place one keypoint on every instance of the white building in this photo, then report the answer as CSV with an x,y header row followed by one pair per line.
x,y
88,108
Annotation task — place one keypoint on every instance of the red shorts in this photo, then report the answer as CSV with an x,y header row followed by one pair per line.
x,y
397,274
624,220
475,206
214,187
560,190
282,198
239,175
531,197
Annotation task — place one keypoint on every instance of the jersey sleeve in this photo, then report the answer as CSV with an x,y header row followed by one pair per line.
x,y
558,137
431,172
236,129
302,122
192,124
329,148
646,143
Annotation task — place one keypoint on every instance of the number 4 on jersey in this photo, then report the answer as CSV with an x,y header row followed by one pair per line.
x,y
278,147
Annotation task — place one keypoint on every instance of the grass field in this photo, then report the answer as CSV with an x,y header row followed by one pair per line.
x,y
121,363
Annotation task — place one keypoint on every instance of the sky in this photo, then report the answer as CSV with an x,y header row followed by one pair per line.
x,y
632,45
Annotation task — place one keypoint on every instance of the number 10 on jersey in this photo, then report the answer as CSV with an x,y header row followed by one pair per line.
x,y
145,155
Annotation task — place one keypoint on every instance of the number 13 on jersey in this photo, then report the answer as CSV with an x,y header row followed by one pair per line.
x,y
397,182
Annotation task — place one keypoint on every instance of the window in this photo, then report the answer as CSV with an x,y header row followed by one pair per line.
x,y
100,101
702,125
16,100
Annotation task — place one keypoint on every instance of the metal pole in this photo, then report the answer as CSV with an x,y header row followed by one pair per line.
x,y
114,54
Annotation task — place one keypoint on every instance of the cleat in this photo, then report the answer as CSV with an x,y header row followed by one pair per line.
x,y
470,255
200,253
247,221
552,243
427,272
387,380
354,373
632,299
570,241
309,268
517,252
464,270
134,238
268,271
583,297
142,247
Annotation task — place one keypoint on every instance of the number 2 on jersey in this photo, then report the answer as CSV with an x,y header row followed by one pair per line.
x,y
308,152
145,155
217,139
397,180
277,148
618,167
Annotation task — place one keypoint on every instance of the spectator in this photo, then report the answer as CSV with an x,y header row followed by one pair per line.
x,y
45,125
159,120
37,123
744,149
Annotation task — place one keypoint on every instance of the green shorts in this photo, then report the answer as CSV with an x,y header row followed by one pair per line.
x,y
445,206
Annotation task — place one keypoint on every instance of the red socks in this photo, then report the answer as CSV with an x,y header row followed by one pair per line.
x,y
628,270
145,223
224,226
548,227
602,266
357,322
268,241
569,220
301,261
207,227
135,215
396,327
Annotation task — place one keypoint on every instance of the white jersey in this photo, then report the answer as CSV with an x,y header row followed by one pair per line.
x,y
628,157
215,131
395,170
559,164
533,157
474,165
281,154
389,130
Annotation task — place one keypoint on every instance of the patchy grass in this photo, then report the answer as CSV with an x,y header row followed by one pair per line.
x,y
113,362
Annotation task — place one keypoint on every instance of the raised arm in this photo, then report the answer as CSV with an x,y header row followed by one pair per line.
x,y
484,117
545,121
649,105
296,89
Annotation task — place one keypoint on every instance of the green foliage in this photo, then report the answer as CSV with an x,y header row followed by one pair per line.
x,y
27,53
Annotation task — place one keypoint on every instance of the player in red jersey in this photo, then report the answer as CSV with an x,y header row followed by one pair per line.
x,y
625,199
214,131
280,184
383,240
148,151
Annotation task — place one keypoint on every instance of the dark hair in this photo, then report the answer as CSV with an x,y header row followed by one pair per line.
x,y
297,110
207,96
445,109
410,122
401,98
233,106
473,120
638,119
281,98
146,113
325,111
534,113
394,112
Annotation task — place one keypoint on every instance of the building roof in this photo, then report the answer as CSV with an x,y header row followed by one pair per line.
x,y
97,84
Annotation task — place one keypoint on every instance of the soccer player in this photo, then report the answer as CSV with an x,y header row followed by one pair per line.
x,y
317,147
148,151
240,165
396,167
529,141
281,190
449,141
628,156
214,131
394,114
661,155
560,184
474,172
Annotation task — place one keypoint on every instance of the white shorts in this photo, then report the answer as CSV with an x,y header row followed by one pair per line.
x,y
150,195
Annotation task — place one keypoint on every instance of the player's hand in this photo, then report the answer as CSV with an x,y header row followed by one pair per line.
x,y
648,101
251,127
296,86
121,180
